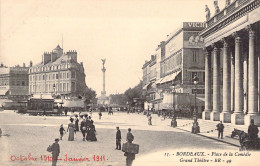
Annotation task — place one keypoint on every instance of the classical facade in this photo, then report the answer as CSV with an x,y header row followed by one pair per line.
x,y
176,61
58,74
14,82
233,35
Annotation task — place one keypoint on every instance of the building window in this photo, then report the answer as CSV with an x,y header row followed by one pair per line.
x,y
53,76
73,86
67,75
57,76
73,74
194,56
18,83
193,74
23,83
43,78
64,87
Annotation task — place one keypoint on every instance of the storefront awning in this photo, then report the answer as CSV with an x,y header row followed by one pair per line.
x,y
170,77
159,80
145,87
3,92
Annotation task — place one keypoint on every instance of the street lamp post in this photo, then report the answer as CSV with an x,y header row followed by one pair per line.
x,y
195,127
173,122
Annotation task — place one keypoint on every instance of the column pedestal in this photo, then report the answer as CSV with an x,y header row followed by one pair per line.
x,y
206,115
255,117
225,117
215,116
237,118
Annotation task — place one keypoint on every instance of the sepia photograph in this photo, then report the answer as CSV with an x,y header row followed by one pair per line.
x,y
129,82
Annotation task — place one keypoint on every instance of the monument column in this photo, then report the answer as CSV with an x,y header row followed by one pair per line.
x,y
208,105
225,116
215,115
238,116
253,80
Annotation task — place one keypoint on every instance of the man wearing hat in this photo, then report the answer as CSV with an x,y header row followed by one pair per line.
x,y
55,151
118,139
253,130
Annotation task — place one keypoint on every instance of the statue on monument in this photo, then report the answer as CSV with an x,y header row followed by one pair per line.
x,y
103,61
216,7
207,12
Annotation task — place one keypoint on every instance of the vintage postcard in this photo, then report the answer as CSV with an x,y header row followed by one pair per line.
x,y
129,82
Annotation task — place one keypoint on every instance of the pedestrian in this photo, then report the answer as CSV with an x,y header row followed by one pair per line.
x,y
100,114
118,139
55,147
129,156
77,123
61,131
91,135
0,132
83,128
71,130
150,120
220,128
66,111
252,130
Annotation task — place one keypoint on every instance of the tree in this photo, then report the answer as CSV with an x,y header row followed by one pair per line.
x,y
135,92
89,94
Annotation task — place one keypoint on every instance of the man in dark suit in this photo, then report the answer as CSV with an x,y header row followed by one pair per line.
x,y
55,152
220,128
129,156
253,130
118,139
83,128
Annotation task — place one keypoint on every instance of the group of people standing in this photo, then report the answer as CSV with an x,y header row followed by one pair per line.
x,y
87,128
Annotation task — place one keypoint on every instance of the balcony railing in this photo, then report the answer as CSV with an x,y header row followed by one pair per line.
x,y
229,9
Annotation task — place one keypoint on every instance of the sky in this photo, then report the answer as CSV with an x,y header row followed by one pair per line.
x,y
125,32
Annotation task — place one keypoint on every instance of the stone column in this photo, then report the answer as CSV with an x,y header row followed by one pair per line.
x,y
216,84
232,80
238,116
245,82
225,116
208,105
252,80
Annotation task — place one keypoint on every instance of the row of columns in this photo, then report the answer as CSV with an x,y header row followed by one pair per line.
x,y
234,72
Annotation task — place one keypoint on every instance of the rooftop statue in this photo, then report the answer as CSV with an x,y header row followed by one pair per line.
x,y
227,3
216,6
207,12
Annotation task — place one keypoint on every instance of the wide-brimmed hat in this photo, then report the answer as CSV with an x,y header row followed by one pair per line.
x,y
56,139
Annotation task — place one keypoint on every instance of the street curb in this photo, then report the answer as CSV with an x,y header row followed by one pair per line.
x,y
211,138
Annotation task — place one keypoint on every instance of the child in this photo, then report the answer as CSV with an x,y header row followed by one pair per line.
x,y
61,131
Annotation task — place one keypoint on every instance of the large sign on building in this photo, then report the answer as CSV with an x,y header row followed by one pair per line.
x,y
194,26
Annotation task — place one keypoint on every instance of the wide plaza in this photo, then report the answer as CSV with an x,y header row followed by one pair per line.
x,y
25,135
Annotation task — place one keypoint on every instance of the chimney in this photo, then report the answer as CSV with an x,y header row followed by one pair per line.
x,y
46,58
31,64
23,64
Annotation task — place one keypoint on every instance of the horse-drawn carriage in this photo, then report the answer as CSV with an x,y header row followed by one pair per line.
x,y
246,143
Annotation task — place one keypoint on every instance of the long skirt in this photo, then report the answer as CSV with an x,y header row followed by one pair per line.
x,y
71,134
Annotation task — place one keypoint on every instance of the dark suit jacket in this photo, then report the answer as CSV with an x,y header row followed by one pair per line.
x,y
118,134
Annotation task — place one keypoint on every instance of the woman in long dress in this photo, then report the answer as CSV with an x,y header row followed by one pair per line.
x,y
92,132
71,129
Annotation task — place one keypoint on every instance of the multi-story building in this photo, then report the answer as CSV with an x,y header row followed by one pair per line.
x,y
174,65
58,74
14,82
232,36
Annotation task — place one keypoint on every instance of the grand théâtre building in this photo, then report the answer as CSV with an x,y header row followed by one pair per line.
x,y
233,34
